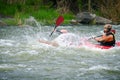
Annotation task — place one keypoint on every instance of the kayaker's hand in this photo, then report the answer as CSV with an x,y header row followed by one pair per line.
x,y
93,37
97,39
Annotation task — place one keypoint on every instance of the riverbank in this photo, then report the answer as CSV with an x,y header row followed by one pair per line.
x,y
47,11
45,16
49,16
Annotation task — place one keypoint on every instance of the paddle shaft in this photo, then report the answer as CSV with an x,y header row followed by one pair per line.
x,y
53,31
94,37
113,31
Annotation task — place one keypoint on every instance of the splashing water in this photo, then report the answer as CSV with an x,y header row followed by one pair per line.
x,y
68,39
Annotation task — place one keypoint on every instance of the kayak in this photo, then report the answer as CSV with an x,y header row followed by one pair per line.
x,y
72,40
91,45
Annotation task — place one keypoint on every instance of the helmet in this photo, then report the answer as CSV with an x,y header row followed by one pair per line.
x,y
108,27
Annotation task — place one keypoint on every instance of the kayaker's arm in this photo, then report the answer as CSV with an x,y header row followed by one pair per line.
x,y
98,39
104,38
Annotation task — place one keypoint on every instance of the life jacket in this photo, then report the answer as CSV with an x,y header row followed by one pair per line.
x,y
109,43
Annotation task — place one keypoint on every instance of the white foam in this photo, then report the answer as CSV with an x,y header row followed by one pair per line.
x,y
68,39
10,66
99,67
6,42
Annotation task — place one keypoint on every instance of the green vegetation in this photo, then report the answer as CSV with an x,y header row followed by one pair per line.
x,y
19,12
47,16
46,11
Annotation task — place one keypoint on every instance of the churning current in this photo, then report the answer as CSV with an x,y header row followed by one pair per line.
x,y
22,57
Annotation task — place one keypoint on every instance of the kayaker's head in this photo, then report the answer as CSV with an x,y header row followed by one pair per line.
x,y
107,28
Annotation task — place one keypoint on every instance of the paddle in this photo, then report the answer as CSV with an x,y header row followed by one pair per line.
x,y
113,31
59,20
94,37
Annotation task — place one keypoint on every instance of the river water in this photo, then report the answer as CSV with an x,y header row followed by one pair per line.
x,y
22,57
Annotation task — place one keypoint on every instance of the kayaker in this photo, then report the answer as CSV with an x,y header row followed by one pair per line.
x,y
108,38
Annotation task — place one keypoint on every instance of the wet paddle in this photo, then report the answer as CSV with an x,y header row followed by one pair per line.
x,y
59,20
113,31
94,37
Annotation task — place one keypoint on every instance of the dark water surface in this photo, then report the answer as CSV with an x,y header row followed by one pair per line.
x,y
22,57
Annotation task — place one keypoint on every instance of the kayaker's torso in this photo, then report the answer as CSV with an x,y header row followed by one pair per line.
x,y
108,39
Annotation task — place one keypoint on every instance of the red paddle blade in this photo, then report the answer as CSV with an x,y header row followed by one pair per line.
x,y
59,20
